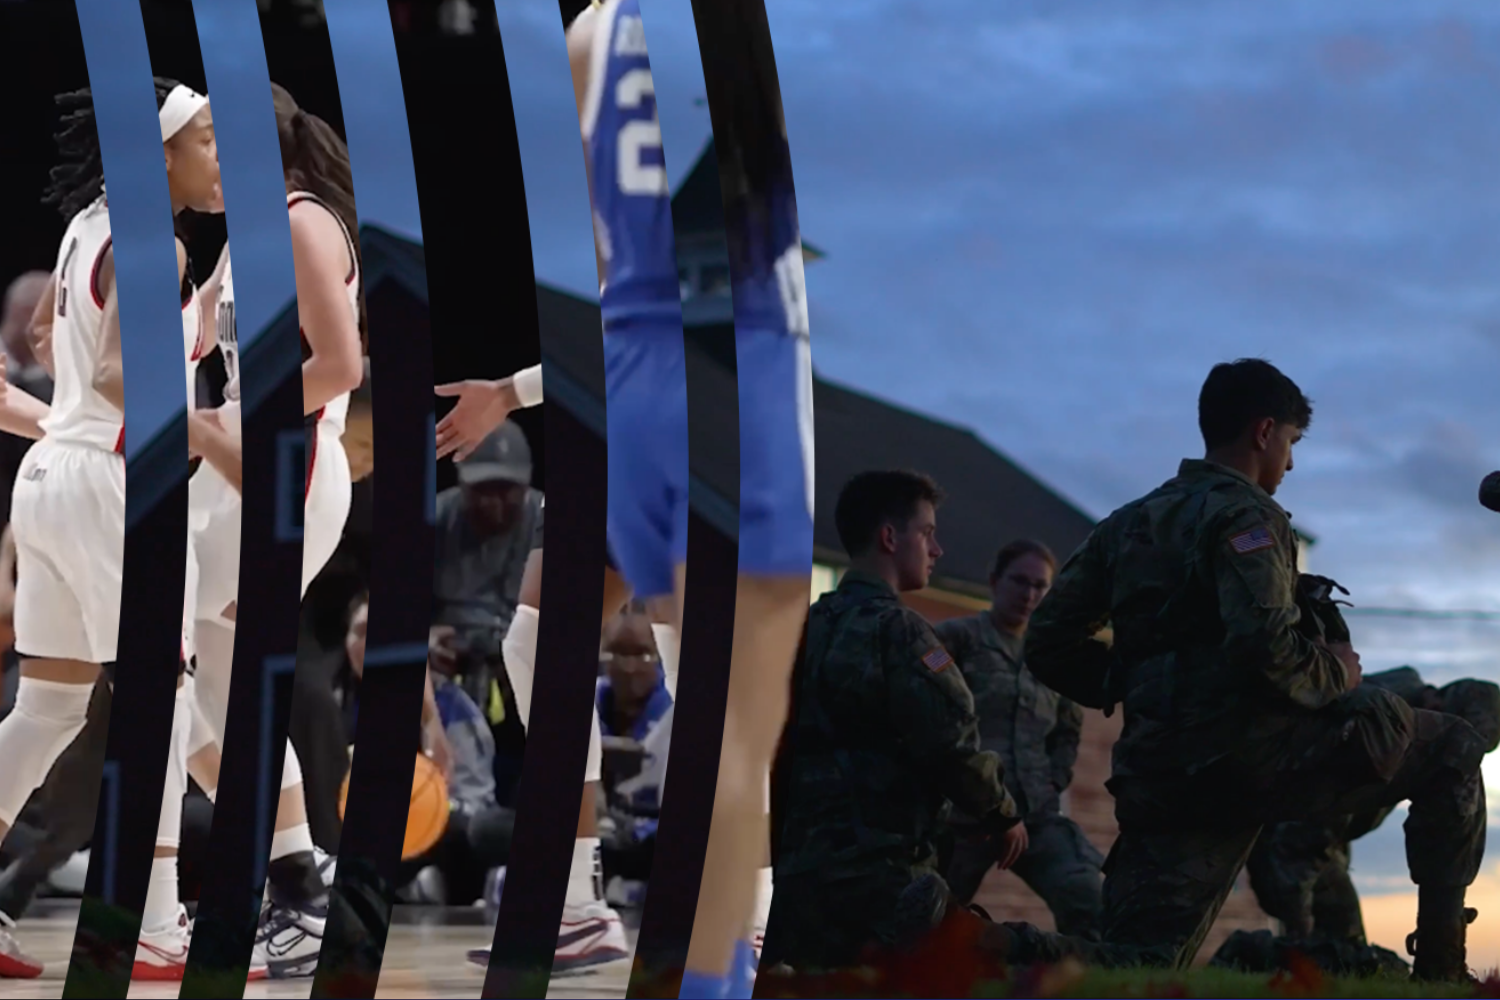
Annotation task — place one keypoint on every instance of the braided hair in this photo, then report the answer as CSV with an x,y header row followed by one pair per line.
x,y
314,159
78,179
744,103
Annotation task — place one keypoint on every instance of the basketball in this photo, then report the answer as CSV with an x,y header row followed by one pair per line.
x,y
427,817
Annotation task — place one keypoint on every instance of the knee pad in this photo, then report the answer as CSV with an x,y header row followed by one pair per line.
x,y
519,653
594,770
669,647
46,718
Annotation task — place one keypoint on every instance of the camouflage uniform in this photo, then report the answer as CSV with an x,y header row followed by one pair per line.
x,y
1035,732
1235,718
881,736
1300,870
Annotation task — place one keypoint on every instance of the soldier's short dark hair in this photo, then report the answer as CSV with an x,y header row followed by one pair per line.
x,y
1237,394
871,500
1012,551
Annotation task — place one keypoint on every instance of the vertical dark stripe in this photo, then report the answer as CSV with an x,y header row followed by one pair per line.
x,y
390,695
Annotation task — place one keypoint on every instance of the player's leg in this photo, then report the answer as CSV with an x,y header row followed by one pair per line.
x,y
69,527
591,931
771,600
161,955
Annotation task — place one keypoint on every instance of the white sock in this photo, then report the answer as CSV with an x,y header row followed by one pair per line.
x,y
161,896
583,883
668,647
519,652
291,841
764,888
46,718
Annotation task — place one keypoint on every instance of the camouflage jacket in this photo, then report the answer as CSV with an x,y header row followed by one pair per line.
x,y
882,735
1033,728
1197,581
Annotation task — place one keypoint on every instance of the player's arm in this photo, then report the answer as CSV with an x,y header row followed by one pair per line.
x,y
580,62
21,413
109,371
484,405
1253,567
39,330
319,255
1063,645
219,448
208,298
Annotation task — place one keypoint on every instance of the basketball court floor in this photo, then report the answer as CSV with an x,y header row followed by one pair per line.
x,y
424,957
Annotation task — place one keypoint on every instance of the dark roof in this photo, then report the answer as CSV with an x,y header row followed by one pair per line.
x,y
698,205
991,499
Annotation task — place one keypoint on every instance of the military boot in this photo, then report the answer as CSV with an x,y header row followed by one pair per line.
x,y
1437,946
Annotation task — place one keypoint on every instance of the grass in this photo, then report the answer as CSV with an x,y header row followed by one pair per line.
x,y
1069,979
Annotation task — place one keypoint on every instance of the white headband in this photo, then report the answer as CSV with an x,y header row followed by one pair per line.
x,y
180,107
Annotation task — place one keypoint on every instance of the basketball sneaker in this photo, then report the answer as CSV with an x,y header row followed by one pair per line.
x,y
591,934
288,940
15,963
161,955
327,865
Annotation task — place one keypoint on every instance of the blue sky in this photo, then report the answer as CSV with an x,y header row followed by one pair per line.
x,y
1047,220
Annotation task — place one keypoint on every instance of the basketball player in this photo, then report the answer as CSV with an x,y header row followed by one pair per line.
x,y
776,484
330,303
69,502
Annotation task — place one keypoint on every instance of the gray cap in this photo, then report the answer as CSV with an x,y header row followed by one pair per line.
x,y
503,457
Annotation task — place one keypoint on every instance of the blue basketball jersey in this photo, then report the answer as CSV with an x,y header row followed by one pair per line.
x,y
770,293
632,201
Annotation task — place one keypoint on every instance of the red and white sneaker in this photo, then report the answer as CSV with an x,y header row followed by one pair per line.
x,y
161,956
591,934
15,963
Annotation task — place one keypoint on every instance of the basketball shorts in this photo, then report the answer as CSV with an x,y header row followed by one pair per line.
x,y
330,490
645,378
215,512
536,532
68,512
776,453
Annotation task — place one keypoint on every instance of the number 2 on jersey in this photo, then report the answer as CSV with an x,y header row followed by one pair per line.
x,y
635,177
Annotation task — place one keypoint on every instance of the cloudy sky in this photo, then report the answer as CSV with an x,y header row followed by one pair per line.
x,y
1046,220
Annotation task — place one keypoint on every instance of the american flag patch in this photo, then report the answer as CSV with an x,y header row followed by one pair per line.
x,y
1252,541
938,660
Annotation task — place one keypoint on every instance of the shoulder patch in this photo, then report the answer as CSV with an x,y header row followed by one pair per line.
x,y
1253,540
937,660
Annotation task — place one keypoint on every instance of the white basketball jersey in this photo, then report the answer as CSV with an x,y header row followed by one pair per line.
x,y
225,333
335,413
79,415
192,343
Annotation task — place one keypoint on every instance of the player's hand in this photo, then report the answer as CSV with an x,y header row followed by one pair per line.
x,y
200,424
482,406
436,746
1349,657
1013,843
